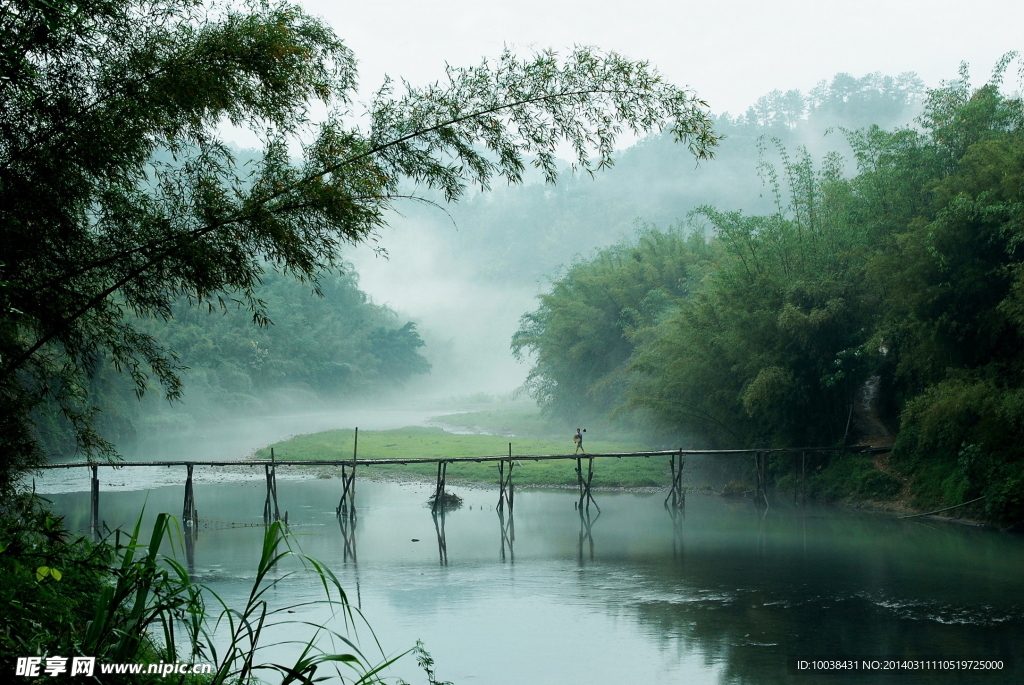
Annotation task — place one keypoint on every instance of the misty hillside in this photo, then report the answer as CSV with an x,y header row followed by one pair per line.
x,y
520,234
339,345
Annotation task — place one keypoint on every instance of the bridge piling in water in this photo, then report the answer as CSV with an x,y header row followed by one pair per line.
x,y
505,490
761,469
347,523
189,514
590,479
439,489
442,542
506,493
676,492
94,503
586,498
271,473
348,480
508,534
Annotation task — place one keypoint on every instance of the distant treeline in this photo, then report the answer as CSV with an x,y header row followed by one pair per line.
x,y
338,346
902,281
522,234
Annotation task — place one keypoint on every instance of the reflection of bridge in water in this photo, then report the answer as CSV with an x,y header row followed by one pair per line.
x,y
675,499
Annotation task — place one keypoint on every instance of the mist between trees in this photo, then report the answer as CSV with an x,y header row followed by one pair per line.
x,y
343,346
886,300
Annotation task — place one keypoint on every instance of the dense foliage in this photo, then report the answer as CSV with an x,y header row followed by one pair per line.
x,y
97,231
907,274
339,346
121,601
587,327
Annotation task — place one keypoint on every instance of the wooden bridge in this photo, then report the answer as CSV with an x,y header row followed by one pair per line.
x,y
675,498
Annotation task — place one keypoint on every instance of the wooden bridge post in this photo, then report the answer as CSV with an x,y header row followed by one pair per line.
x,y
509,485
676,493
344,491
587,532
579,478
191,535
505,488
347,523
584,483
94,503
439,488
590,478
348,480
672,487
437,491
501,487
352,479
189,514
508,534
442,543
271,473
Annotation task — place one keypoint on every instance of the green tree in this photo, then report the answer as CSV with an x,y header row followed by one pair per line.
x,y
96,231
585,331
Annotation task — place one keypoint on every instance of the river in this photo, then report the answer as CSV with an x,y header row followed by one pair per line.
x,y
722,594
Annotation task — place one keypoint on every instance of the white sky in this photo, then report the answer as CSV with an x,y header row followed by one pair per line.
x,y
730,51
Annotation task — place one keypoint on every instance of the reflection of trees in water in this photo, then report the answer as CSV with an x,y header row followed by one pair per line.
x,y
780,586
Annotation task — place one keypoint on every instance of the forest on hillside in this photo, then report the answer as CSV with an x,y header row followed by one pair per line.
x,y
331,344
897,288
523,234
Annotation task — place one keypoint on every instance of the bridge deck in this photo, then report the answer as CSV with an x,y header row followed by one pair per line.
x,y
456,460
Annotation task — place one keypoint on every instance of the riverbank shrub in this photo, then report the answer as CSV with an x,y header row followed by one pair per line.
x,y
961,441
123,601
851,477
45,614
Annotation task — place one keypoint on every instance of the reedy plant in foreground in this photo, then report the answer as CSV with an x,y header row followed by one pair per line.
x,y
150,610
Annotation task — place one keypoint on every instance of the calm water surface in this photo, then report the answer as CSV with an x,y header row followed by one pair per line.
x,y
721,595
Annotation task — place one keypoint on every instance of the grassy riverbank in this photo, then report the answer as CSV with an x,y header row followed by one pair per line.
x,y
431,443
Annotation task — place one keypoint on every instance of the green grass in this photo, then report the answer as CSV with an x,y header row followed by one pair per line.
x,y
432,443
524,421
528,421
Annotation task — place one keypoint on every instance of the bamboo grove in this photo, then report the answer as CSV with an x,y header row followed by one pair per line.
x,y
892,277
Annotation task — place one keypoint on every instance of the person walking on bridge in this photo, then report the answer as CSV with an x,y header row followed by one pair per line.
x,y
578,439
